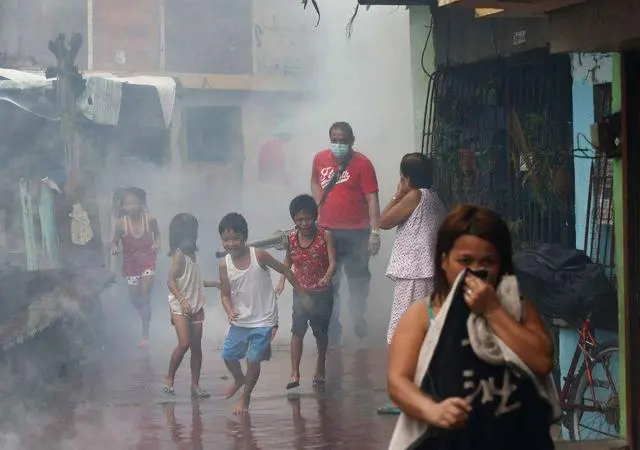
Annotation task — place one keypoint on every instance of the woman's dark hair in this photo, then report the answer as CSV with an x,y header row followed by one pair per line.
x,y
475,221
344,126
121,193
304,203
183,234
234,222
418,169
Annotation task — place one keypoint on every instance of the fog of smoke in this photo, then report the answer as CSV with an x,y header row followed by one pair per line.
x,y
364,80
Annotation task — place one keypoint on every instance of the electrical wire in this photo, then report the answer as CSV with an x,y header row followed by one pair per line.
x,y
583,136
585,153
349,28
424,49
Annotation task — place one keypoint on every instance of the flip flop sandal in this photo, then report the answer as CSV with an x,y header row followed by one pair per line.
x,y
168,390
319,381
199,393
389,409
293,384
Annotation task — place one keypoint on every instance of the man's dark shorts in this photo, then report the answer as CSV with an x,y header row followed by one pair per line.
x,y
319,316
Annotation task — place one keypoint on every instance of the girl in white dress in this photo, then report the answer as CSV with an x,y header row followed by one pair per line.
x,y
186,300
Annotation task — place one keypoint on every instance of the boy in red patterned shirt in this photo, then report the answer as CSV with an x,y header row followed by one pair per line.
x,y
311,253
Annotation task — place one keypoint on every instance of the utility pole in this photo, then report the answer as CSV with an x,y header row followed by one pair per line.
x,y
69,85
84,247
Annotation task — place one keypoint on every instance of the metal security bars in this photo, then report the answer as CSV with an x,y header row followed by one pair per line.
x,y
500,133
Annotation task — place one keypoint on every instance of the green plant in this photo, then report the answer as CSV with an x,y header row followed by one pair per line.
x,y
536,156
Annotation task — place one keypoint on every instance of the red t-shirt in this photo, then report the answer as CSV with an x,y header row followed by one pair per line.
x,y
346,205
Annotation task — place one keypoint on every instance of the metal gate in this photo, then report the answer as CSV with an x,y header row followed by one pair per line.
x,y
501,136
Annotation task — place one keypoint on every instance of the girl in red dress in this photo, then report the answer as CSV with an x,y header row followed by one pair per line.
x,y
138,238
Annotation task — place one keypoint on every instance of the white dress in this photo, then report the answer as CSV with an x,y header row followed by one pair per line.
x,y
191,285
411,265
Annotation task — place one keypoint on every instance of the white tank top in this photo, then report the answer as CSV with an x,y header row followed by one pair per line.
x,y
252,294
191,285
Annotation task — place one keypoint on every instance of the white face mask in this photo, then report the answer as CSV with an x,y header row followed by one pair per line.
x,y
339,150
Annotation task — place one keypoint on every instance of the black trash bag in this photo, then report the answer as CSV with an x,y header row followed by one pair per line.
x,y
565,284
503,417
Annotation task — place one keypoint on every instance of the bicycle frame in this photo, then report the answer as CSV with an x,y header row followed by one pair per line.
x,y
586,343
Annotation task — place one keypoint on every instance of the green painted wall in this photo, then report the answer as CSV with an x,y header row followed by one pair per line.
x,y
420,27
618,205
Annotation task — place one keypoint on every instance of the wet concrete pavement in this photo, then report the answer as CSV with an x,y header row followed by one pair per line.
x,y
118,405
116,402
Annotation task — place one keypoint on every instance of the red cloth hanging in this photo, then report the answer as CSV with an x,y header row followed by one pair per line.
x,y
272,162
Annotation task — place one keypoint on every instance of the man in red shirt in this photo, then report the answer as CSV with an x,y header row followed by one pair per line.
x,y
344,183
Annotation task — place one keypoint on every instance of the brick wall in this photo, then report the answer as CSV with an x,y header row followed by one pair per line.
x,y
126,35
27,25
209,37
212,36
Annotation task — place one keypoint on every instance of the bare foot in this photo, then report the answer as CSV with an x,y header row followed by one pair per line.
x,y
242,407
235,387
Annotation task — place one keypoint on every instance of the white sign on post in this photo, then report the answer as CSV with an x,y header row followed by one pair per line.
x,y
519,38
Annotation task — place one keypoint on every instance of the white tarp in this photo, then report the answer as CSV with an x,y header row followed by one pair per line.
x,y
21,80
101,101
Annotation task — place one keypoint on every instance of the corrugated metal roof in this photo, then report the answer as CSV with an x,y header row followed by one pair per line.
x,y
103,93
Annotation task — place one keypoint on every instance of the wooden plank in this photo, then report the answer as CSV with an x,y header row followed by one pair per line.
x,y
48,227
598,25
30,247
239,82
613,444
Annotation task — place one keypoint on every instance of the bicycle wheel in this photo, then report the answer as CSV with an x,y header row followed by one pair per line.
x,y
604,421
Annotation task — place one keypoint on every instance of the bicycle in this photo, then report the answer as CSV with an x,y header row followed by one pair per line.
x,y
577,388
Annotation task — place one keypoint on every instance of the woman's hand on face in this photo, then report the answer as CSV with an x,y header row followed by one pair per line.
x,y
450,413
401,189
480,295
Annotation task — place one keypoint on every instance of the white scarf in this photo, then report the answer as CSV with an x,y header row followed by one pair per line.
x,y
487,347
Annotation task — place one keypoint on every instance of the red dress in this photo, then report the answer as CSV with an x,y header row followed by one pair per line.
x,y
138,252
309,263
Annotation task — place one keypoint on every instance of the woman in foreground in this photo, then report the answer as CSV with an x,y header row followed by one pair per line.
x,y
496,407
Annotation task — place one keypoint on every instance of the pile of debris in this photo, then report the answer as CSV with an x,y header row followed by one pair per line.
x,y
50,320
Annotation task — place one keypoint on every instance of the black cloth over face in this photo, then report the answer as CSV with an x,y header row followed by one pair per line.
x,y
507,412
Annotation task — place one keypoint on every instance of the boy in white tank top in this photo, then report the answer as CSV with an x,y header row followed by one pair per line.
x,y
249,300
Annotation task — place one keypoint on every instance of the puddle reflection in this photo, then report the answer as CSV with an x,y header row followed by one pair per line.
x,y
124,409
179,432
